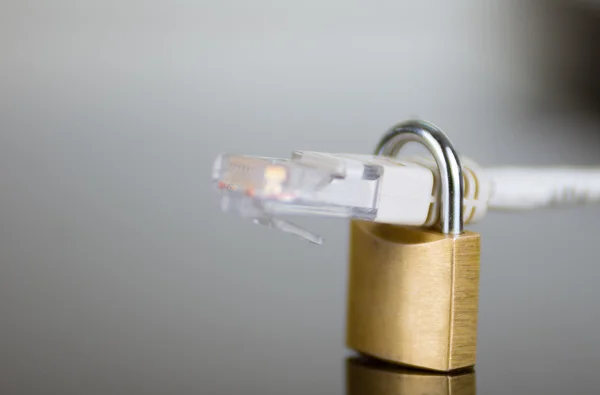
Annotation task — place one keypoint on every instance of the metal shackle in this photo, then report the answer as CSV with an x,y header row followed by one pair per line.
x,y
448,164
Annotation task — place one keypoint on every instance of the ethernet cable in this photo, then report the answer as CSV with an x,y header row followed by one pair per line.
x,y
401,191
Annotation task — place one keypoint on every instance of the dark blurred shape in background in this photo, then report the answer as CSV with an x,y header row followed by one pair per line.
x,y
571,51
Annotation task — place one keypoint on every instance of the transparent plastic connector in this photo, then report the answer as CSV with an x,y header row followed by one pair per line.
x,y
363,187
310,183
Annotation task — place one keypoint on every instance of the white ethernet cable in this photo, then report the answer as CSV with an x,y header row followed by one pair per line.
x,y
400,191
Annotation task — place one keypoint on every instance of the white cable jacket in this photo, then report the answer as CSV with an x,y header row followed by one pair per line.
x,y
518,188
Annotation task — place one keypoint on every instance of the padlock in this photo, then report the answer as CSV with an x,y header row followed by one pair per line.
x,y
365,376
413,292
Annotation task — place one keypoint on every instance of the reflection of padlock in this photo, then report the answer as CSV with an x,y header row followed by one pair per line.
x,y
413,293
376,378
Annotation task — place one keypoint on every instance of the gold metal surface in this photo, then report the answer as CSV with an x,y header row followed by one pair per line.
x,y
364,377
413,295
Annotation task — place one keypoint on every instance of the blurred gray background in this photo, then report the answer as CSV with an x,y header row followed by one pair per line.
x,y
118,272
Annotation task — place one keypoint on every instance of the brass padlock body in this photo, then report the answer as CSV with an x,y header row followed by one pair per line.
x,y
413,295
368,377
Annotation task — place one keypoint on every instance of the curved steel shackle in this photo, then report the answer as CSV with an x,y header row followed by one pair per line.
x,y
448,163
